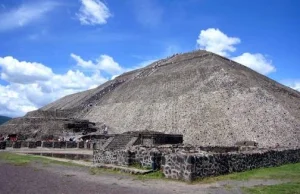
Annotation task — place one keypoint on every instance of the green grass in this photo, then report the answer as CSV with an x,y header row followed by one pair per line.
x,y
139,166
151,175
286,188
286,172
20,159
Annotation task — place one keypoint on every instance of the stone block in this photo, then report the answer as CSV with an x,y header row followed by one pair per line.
x,y
71,144
2,145
46,144
24,144
80,145
32,144
16,144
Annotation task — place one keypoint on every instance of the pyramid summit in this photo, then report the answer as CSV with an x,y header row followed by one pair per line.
x,y
209,99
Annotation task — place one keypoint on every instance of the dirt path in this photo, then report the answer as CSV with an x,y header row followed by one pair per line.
x,y
38,178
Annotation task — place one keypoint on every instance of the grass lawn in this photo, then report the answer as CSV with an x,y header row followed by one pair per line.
x,y
289,172
20,159
286,188
285,172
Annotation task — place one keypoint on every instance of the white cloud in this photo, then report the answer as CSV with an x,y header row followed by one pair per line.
x,y
32,85
25,14
93,12
13,103
23,72
257,62
295,84
216,41
104,63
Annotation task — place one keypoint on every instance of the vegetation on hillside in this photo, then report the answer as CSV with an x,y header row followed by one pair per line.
x,y
3,119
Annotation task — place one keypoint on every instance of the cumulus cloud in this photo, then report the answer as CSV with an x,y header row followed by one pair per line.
x,y
16,71
104,63
257,62
93,12
13,103
32,85
25,14
295,84
218,42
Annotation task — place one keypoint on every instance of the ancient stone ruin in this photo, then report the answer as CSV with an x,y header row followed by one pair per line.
x,y
212,100
188,163
229,117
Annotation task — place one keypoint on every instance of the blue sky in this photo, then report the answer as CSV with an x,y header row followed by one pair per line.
x,y
51,48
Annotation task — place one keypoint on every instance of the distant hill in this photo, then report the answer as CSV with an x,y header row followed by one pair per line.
x,y
3,119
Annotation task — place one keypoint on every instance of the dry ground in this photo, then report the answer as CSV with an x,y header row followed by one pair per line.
x,y
47,177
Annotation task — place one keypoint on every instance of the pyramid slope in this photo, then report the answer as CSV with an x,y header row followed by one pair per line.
x,y
209,99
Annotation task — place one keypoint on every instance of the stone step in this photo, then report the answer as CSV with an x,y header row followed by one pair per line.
x,y
119,142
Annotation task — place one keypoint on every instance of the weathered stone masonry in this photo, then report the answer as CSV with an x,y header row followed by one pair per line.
x,y
188,166
185,163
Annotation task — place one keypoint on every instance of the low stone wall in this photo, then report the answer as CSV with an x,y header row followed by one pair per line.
x,y
147,156
46,144
187,166
38,143
24,144
2,145
9,144
32,144
49,144
80,145
71,144
59,144
16,144
118,157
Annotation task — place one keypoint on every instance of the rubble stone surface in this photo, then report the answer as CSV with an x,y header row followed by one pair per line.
x,y
209,99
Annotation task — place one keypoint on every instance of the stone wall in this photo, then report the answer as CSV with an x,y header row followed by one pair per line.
x,y
2,145
80,145
46,144
49,144
118,157
32,144
38,143
24,144
187,166
140,155
59,144
17,144
71,144
9,144
147,155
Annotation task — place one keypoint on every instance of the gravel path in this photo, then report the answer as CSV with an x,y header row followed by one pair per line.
x,y
38,178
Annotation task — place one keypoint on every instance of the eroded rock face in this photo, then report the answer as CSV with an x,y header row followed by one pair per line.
x,y
209,99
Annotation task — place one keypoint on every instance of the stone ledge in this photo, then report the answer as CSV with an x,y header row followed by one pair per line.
x,y
123,169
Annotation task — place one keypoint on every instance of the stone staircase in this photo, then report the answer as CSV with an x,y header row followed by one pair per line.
x,y
119,142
